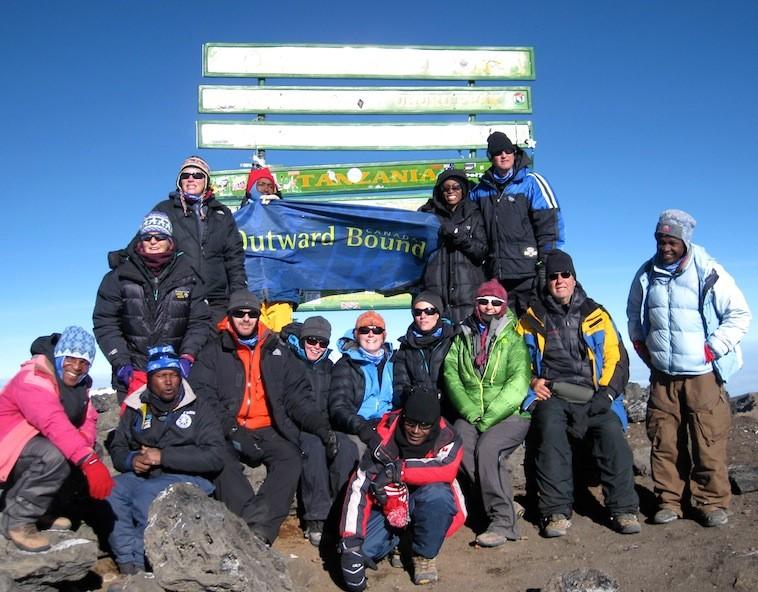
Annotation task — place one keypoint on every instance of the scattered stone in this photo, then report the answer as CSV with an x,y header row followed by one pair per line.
x,y
635,399
582,580
68,559
744,403
744,478
641,460
195,544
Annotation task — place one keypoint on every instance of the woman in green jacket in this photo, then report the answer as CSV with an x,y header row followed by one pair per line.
x,y
486,376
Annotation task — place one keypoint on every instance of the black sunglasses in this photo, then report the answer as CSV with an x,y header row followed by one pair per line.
x,y
241,314
429,311
148,238
367,330
198,175
564,274
316,341
492,301
416,424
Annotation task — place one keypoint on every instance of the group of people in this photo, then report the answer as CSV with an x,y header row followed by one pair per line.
x,y
504,347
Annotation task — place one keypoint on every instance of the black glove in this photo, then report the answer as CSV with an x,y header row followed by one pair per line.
x,y
448,229
331,445
353,568
541,277
394,471
600,402
246,446
377,488
367,434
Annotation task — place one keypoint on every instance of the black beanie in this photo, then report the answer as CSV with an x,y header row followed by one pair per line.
x,y
558,261
429,297
497,142
423,404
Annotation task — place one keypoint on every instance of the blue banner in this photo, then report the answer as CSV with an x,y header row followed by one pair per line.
x,y
292,246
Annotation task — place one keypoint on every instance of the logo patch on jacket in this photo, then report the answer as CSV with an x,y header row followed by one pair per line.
x,y
184,421
181,294
530,252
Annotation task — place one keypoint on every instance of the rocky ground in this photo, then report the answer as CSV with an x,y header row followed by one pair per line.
x,y
682,556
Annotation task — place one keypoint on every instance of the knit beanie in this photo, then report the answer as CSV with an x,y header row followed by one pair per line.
x,y
243,299
558,261
199,163
497,142
156,223
678,224
423,404
429,297
494,289
316,327
75,342
162,357
256,174
370,319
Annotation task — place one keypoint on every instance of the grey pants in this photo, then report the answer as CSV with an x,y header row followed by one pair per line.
x,y
484,462
37,476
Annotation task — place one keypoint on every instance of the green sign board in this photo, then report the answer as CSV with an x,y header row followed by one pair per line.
x,y
324,301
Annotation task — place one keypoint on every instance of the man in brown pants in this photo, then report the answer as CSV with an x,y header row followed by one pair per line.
x,y
686,319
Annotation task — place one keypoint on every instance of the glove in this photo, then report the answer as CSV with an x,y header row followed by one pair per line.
x,y
267,199
710,355
448,229
331,445
367,434
541,270
396,509
98,478
185,364
600,402
353,568
394,471
124,374
642,351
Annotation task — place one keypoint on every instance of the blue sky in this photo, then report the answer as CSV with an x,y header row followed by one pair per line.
x,y
638,107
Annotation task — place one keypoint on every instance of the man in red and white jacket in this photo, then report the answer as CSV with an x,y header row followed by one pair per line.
x,y
405,483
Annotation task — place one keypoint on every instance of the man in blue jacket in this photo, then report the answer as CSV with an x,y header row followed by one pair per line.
x,y
522,218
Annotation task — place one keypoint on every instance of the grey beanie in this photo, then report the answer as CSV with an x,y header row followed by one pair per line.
x,y
676,223
243,299
429,297
316,327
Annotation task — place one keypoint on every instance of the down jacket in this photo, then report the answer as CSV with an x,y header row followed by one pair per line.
x,y
135,311
319,373
455,270
675,314
522,218
486,400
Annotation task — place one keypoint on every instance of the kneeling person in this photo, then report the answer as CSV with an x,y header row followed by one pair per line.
x,y
579,371
408,481
166,435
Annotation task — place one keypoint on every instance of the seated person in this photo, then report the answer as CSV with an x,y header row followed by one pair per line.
x,y
263,401
579,371
166,435
48,424
486,376
362,390
405,485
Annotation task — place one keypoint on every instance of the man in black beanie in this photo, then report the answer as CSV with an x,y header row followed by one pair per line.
x,y
522,218
579,371
405,485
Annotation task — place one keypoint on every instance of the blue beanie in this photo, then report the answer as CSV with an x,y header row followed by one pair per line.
x,y
162,357
75,342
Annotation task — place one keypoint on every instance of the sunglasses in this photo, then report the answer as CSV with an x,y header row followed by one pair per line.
x,y
316,341
198,175
412,425
502,152
564,274
241,314
367,330
493,301
450,188
148,238
430,311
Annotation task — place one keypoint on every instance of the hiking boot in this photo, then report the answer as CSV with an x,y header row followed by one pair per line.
x,y
59,524
424,570
314,531
27,538
491,538
665,516
396,560
555,525
717,517
626,523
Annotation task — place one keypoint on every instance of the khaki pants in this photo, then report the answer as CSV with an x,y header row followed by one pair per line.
x,y
689,413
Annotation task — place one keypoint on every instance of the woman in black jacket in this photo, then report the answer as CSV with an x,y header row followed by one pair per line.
x,y
152,296
454,271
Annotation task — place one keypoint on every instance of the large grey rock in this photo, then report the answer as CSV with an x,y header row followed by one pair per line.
x,y
69,559
744,478
582,580
195,544
635,400
8,584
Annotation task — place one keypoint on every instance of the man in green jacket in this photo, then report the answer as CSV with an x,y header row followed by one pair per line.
x,y
486,376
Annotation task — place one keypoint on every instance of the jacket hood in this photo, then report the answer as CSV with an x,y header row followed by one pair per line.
x,y
135,399
293,340
45,346
437,202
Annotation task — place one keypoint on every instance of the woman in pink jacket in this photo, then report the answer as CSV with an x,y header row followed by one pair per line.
x,y
47,423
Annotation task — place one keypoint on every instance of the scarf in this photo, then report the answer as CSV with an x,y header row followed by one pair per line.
x,y
155,262
408,450
161,407
376,358
423,339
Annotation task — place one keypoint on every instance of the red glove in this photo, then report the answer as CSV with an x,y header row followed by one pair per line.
x,y
396,508
642,351
98,478
710,355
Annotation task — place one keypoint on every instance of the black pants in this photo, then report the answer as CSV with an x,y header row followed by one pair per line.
x,y
265,511
520,292
553,459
